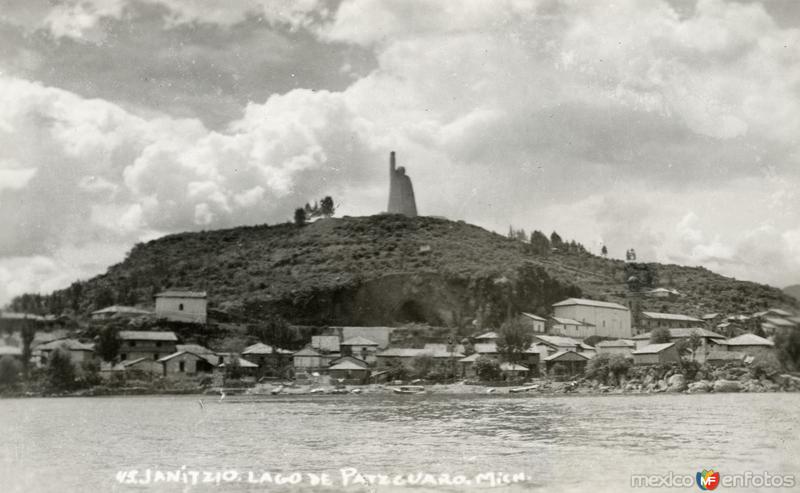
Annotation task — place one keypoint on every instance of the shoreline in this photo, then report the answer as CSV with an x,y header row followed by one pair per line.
x,y
790,384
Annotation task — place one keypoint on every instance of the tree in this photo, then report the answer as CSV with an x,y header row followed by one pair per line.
x,y
690,344
28,332
300,216
423,365
556,240
787,346
108,343
540,243
604,251
487,369
609,368
10,369
660,336
514,340
60,370
326,206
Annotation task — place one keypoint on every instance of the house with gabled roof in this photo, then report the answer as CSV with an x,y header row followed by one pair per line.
x,y
181,305
655,320
607,319
152,344
360,347
653,354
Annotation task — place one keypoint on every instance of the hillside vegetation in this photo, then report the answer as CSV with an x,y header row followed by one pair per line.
x,y
387,269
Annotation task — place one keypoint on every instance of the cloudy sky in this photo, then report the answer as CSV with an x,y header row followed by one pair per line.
x,y
669,126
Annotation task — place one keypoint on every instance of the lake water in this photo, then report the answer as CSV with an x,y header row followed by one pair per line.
x,y
570,443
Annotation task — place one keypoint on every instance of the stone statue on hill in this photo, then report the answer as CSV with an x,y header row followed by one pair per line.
x,y
401,191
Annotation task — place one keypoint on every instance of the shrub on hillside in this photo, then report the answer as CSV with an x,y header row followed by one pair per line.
x,y
765,365
609,368
60,371
659,336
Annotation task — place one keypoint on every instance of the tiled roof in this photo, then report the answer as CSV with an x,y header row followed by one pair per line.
x,y
307,352
177,293
121,309
485,348
19,316
193,348
534,317
488,335
780,322
670,316
594,303
654,348
71,344
684,332
512,367
749,340
261,348
145,335
558,341
558,354
617,343
359,341
346,365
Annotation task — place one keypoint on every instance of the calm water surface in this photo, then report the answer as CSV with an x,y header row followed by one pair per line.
x,y
572,443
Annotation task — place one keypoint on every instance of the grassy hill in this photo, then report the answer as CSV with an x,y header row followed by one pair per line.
x,y
388,269
793,291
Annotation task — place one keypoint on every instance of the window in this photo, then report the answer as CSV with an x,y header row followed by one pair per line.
x,y
181,367
180,307
158,343
155,356
132,343
123,357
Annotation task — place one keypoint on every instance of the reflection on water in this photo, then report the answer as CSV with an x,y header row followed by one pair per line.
x,y
560,443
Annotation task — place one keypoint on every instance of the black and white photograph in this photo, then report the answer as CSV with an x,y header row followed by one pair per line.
x,y
399,246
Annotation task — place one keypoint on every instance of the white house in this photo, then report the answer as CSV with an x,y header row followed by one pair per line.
x,y
607,319
182,306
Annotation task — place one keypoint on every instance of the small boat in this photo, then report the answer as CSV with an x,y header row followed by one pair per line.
x,y
409,389
340,391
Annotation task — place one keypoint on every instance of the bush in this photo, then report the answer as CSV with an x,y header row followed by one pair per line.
x,y
487,369
90,373
765,365
10,369
660,336
61,371
787,346
608,368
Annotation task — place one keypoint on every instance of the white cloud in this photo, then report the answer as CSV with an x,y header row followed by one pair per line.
x,y
621,123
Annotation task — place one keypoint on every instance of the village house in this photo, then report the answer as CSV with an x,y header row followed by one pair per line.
x,y
607,319
775,325
309,361
188,363
182,306
570,328
245,367
707,337
154,345
349,370
619,346
265,356
513,371
534,323
143,366
79,352
377,334
119,311
750,344
556,343
361,348
566,362
398,356
653,354
655,320
326,343
488,337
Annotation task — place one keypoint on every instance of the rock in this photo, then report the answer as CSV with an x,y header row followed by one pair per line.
x,y
676,383
727,386
699,387
752,386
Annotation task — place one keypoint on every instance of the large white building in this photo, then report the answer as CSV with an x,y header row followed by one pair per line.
x,y
607,319
182,306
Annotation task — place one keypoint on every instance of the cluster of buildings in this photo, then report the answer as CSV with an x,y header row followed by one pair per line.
x,y
367,354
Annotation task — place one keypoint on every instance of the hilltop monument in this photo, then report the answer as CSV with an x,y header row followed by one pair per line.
x,y
401,191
